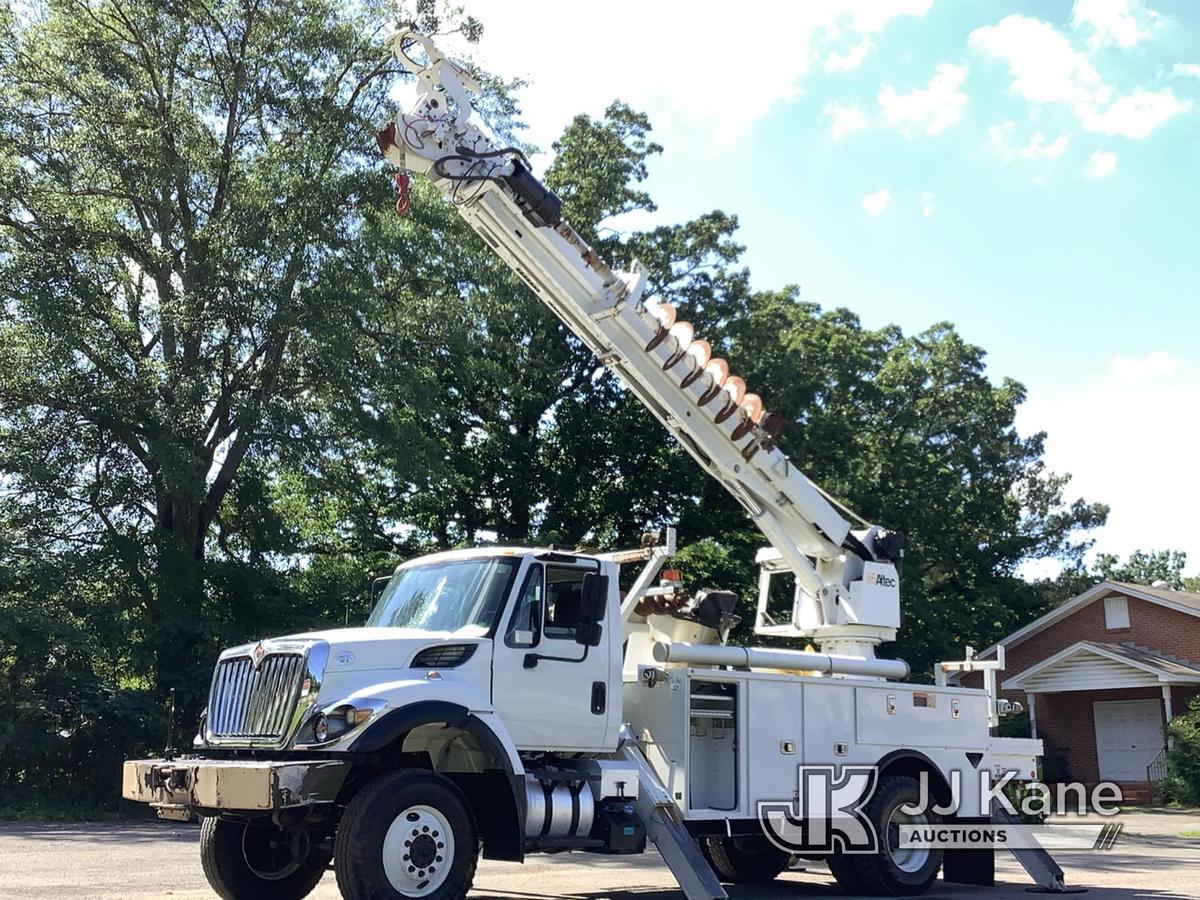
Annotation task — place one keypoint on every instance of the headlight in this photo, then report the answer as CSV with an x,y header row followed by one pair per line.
x,y
333,722
321,727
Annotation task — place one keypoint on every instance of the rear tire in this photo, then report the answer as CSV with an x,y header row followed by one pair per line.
x,y
893,872
252,861
844,870
744,860
407,834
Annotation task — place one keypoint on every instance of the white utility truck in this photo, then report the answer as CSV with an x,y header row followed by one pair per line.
x,y
513,700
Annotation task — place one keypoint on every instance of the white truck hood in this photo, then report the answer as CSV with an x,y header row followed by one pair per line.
x,y
365,649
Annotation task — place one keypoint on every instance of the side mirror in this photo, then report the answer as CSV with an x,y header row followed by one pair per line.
x,y
378,586
593,604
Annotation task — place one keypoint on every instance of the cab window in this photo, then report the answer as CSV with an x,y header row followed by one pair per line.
x,y
547,605
564,591
524,629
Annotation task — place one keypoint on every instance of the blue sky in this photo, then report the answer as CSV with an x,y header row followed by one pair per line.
x,y
1027,171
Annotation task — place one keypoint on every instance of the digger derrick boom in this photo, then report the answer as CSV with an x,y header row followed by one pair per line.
x,y
846,583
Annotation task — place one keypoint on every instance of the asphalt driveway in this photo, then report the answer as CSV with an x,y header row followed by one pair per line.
x,y
1158,858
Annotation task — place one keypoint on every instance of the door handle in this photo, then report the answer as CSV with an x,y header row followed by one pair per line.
x,y
599,697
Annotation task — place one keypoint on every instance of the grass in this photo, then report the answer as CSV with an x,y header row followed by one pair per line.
x,y
41,810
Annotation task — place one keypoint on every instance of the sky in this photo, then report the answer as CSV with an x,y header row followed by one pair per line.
x,y
1025,170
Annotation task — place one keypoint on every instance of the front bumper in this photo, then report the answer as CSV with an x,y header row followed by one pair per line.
x,y
232,784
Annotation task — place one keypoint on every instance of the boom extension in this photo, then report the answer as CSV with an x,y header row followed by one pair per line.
x,y
846,583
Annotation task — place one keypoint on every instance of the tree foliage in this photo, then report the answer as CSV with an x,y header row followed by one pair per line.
x,y
233,384
1182,784
1140,567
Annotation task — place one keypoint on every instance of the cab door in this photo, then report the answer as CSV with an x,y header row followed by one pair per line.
x,y
552,692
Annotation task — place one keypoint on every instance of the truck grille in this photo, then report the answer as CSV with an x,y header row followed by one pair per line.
x,y
249,703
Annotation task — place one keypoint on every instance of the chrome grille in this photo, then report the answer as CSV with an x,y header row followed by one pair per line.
x,y
254,704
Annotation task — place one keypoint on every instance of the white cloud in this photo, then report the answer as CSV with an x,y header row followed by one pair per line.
x,y
1128,436
1046,68
926,204
1145,370
845,62
845,119
1134,116
666,64
872,15
1044,65
1039,149
1100,164
876,203
1000,138
931,109
1191,70
1120,22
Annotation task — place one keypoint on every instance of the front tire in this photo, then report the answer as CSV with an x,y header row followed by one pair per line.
x,y
407,834
744,860
255,861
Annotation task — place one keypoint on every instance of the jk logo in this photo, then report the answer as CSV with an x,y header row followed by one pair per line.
x,y
826,814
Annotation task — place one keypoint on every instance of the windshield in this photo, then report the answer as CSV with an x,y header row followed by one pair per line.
x,y
461,596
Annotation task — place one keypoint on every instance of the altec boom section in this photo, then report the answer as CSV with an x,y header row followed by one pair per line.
x,y
846,584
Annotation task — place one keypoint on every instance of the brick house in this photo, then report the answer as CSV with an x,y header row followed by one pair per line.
x,y
1101,675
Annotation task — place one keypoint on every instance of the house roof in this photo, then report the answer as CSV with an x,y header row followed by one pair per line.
x,y
1089,665
1167,595
1181,601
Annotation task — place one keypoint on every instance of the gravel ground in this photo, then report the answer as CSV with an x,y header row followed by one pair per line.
x,y
155,860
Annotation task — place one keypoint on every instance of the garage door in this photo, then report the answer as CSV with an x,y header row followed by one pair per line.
x,y
1129,734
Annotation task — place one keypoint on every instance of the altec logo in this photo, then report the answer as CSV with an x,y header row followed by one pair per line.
x,y
885,580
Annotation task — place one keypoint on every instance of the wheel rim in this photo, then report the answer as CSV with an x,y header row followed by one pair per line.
x,y
909,860
418,851
267,854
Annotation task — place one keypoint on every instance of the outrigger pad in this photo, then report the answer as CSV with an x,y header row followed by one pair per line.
x,y
976,867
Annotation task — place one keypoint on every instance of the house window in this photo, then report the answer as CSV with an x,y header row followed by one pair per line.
x,y
1116,612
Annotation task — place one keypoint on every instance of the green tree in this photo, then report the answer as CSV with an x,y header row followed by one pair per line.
x,y
176,182
1182,784
1147,568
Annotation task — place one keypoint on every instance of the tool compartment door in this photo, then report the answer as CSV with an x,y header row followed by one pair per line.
x,y
775,741
915,716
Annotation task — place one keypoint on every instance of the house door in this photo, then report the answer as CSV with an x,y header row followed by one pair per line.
x,y
1129,734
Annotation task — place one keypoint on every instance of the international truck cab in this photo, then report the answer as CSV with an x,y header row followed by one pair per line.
x,y
519,700
514,634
